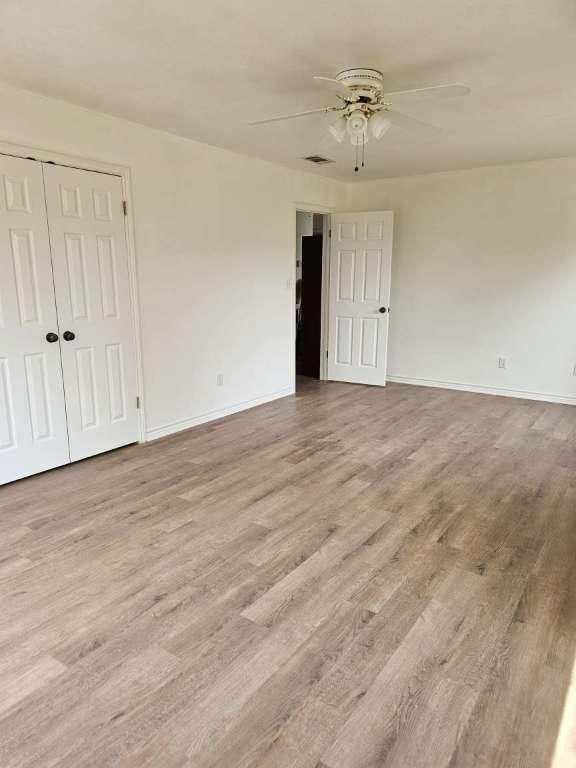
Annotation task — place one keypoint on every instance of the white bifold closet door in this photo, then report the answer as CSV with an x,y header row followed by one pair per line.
x,y
359,296
67,353
89,256
33,435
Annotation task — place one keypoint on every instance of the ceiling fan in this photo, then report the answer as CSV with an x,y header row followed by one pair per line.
x,y
366,111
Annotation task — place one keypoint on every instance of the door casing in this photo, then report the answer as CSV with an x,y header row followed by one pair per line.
x,y
313,208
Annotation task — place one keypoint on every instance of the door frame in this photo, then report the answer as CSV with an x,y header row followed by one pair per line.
x,y
326,230
122,171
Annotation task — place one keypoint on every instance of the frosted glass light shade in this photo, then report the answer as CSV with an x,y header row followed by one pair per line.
x,y
338,129
379,125
356,123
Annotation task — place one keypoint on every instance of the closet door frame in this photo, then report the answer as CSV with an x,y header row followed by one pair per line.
x,y
122,171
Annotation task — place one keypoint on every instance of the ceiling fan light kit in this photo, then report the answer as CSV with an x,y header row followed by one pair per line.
x,y
366,111
379,125
338,129
357,122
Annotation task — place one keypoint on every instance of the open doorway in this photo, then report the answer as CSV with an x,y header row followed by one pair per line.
x,y
310,233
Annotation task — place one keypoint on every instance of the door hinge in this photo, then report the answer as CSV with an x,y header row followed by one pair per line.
x,y
326,354
329,233
125,207
137,402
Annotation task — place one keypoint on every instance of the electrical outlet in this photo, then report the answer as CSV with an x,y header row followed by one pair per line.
x,y
502,362
220,379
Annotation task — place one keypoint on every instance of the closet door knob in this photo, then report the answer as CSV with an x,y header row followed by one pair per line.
x,y
382,311
68,336
51,337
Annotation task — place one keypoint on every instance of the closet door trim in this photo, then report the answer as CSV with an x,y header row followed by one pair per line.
x,y
122,171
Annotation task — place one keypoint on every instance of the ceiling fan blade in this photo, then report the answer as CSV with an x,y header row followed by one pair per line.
x,y
327,79
331,82
410,123
430,93
296,114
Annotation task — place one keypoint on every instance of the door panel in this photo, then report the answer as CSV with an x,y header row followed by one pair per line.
x,y
360,263
33,435
91,276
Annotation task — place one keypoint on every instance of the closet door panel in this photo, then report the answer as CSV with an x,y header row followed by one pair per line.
x,y
87,234
33,434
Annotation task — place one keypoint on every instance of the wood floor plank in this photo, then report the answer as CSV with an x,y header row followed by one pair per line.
x,y
351,577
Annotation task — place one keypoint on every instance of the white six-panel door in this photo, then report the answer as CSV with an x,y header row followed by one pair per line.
x,y
359,296
89,255
33,434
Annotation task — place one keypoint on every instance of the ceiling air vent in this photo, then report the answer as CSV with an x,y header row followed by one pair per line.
x,y
318,159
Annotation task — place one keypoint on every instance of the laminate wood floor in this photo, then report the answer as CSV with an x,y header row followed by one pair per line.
x,y
349,578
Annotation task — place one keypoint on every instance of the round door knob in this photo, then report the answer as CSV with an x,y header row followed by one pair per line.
x,y
51,337
382,311
68,336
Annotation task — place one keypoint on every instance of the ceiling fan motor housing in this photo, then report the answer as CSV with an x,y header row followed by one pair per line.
x,y
369,80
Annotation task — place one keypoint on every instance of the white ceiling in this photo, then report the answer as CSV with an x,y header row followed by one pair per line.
x,y
202,69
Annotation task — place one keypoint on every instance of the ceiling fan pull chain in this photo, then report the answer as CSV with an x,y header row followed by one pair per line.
x,y
363,148
356,168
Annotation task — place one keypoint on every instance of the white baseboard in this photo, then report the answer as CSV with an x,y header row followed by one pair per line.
x,y
178,426
501,391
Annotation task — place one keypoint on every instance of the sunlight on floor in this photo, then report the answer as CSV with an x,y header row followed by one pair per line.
x,y
565,752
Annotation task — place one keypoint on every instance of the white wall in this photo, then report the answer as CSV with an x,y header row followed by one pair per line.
x,y
215,244
484,266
